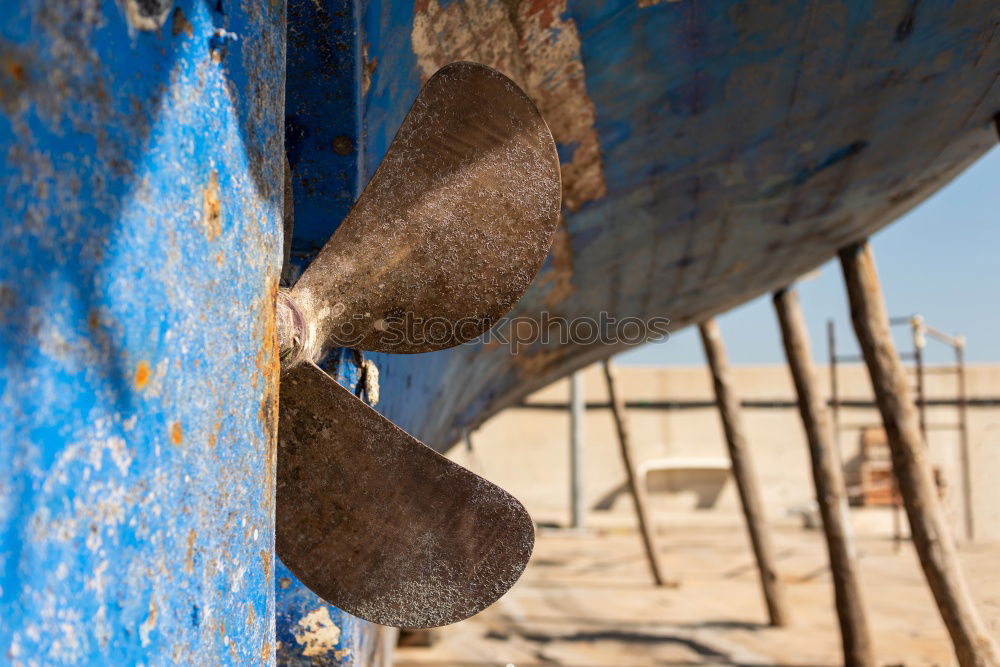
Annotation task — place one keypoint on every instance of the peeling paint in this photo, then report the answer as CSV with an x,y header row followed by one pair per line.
x,y
147,14
212,214
176,433
148,625
181,24
537,46
317,633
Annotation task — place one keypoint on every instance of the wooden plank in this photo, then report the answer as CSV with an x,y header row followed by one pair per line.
x,y
744,474
638,493
931,534
828,477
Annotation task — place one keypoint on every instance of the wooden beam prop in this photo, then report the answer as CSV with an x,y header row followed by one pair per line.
x,y
828,477
931,535
577,411
638,493
743,472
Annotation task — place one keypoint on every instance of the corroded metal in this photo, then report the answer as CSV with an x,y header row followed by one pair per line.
x,y
381,525
449,232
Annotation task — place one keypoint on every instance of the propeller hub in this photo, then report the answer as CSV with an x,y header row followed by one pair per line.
x,y
295,340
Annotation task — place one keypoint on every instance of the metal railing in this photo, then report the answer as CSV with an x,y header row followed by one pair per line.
x,y
920,333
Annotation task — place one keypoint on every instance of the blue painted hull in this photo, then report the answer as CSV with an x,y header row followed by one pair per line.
x,y
140,230
734,147
711,152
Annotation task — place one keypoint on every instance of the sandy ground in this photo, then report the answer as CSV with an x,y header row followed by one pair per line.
x,y
586,600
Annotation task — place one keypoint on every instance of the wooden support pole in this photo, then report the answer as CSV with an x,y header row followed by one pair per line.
x,y
964,452
828,476
928,527
744,474
576,417
638,493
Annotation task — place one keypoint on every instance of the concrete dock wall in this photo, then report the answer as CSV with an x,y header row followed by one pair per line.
x,y
525,449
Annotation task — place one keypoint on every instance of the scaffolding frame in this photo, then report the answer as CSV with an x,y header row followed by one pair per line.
x,y
920,332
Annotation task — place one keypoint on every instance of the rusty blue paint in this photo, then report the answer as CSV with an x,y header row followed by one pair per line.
x,y
141,229
741,145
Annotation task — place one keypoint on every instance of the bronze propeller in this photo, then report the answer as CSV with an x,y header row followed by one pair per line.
x,y
443,241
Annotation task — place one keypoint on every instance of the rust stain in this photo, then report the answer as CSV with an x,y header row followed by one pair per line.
x,y
16,89
265,651
148,625
536,361
220,259
343,145
737,267
367,70
265,557
560,275
181,24
268,360
269,367
142,374
176,433
212,209
16,71
189,556
533,44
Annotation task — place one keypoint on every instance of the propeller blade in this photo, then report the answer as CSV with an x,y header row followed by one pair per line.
x,y
379,524
450,231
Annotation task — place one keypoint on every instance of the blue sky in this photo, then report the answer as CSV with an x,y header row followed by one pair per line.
x,y
940,260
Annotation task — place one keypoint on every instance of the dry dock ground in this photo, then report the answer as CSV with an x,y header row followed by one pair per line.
x,y
586,600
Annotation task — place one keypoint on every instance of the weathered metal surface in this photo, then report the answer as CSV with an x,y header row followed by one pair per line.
x,y
739,145
301,640
381,525
140,226
450,230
